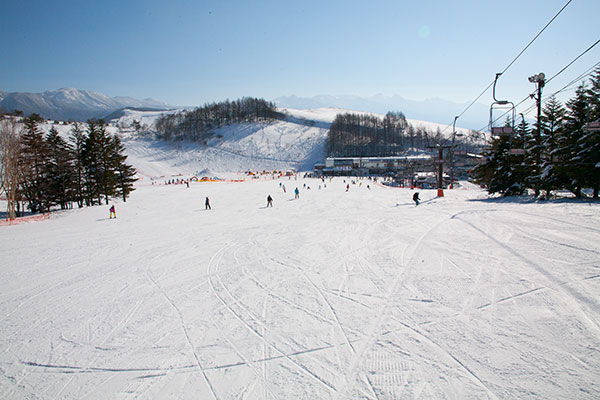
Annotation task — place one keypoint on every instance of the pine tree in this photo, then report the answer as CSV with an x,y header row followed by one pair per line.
x,y
519,156
504,172
594,94
590,142
125,174
78,138
552,122
60,170
571,143
93,162
34,166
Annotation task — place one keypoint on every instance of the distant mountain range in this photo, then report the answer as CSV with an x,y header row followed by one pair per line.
x,y
434,110
78,105
81,105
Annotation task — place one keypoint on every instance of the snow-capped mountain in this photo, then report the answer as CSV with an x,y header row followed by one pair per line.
x,y
69,103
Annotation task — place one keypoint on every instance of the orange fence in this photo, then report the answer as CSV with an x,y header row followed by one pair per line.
x,y
20,220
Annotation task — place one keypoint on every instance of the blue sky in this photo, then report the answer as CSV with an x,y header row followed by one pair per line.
x,y
192,52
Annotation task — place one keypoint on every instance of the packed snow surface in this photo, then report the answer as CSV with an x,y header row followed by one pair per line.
x,y
335,295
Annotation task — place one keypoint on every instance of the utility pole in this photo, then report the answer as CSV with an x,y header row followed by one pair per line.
x,y
540,81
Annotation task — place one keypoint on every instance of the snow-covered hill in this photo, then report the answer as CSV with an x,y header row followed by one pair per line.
x,y
296,142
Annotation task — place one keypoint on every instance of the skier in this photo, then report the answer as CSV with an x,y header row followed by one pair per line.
x,y
296,193
283,188
269,201
416,198
207,204
347,187
112,212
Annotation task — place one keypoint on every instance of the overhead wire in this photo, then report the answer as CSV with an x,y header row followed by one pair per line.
x,y
566,87
511,63
588,71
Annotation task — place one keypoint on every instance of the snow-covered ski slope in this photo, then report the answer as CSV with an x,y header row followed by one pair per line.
x,y
336,295
297,141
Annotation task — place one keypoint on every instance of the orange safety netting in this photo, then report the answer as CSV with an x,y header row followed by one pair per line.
x,y
20,220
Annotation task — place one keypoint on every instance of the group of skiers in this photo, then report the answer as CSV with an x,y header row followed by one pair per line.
x,y
207,206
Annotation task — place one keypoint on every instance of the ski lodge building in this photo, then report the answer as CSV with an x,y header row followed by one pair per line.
x,y
409,167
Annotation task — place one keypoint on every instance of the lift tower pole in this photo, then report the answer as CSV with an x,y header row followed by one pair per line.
x,y
440,168
540,81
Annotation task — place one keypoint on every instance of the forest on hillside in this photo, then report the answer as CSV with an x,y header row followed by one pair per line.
x,y
367,135
199,124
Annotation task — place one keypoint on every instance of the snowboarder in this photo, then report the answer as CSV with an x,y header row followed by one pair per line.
x,y
112,212
416,198
269,201
296,193
207,204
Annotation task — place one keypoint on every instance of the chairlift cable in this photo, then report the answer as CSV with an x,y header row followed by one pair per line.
x,y
512,62
576,58
536,36
581,76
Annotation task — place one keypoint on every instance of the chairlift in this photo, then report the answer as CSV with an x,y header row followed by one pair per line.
x,y
501,105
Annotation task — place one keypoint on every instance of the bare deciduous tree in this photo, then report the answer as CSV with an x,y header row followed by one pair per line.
x,y
10,150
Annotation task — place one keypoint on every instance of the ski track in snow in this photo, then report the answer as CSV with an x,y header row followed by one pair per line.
x,y
339,295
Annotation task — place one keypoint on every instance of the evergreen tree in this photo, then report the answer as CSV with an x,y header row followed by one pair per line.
x,y
520,159
124,173
590,141
94,162
571,142
34,166
60,170
552,120
594,94
504,172
78,138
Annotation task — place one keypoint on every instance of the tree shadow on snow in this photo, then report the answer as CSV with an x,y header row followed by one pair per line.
x,y
533,200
